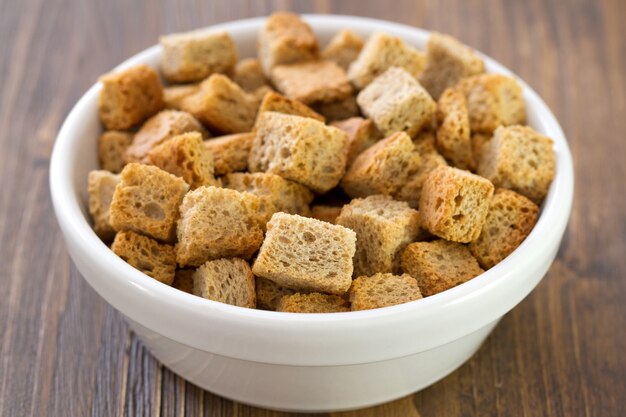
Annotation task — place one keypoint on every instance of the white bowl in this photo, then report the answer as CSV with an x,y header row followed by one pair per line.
x,y
304,362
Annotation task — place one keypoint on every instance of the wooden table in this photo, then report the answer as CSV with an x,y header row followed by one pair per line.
x,y
561,352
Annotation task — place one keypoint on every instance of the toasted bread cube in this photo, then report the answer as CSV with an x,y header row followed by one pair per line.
x,y
185,156
343,48
381,52
228,281
383,228
159,129
183,279
325,213
173,96
276,193
395,101
249,75
454,204
306,254
520,159
299,149
382,168
157,260
493,100
230,152
362,133
101,186
217,223
310,82
383,290
480,142
222,105
273,101
129,97
453,134
312,303
447,62
286,39
339,109
268,294
510,219
193,56
439,265
146,201
430,160
111,147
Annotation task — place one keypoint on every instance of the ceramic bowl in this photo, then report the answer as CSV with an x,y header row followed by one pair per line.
x,y
304,362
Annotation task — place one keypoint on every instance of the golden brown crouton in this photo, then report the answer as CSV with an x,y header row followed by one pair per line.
x,y
395,101
111,147
173,96
312,303
273,101
286,39
313,81
129,97
249,75
339,109
453,134
185,156
157,260
193,56
230,152
306,254
325,213
183,280
383,228
101,186
300,149
454,204
343,48
362,133
439,265
146,201
217,223
520,159
268,294
383,290
228,281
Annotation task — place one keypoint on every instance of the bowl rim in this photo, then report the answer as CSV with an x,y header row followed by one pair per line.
x,y
550,226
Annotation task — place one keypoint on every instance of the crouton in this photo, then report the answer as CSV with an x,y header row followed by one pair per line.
x,y
228,281
382,168
129,97
454,204
222,105
520,159
306,254
101,186
453,134
183,279
276,193
299,149
285,39
343,48
173,96
439,265
510,219
159,129
447,62
381,52
383,228
185,156
273,101
493,100
230,152
312,303
111,147
362,133
249,75
383,290
146,201
193,56
268,294
310,82
217,223
395,101
157,260
339,109
325,213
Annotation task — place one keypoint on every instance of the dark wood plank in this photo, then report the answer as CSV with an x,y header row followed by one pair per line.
x,y
63,351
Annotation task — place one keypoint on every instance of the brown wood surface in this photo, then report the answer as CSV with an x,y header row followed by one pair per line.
x,y
561,352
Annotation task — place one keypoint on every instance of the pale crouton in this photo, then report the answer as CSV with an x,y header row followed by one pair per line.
x,y
249,75
111,147
173,96
101,186
228,281
343,48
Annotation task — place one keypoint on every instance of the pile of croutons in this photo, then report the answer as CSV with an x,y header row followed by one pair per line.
x,y
364,175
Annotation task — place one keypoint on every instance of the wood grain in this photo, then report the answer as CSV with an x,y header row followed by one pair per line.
x,y
561,352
